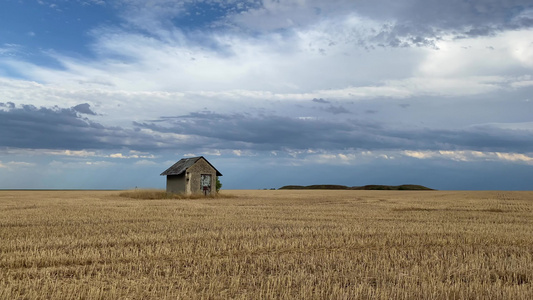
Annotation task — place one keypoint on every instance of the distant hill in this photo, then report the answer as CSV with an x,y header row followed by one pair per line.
x,y
403,187
315,187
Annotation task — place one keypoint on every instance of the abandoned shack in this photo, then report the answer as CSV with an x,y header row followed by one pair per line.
x,y
192,175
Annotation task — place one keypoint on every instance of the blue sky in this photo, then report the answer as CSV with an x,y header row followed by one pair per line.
x,y
108,94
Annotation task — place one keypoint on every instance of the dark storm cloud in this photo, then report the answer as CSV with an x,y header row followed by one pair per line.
x,y
429,17
260,132
84,108
8,104
277,132
421,23
336,110
486,138
31,127
320,100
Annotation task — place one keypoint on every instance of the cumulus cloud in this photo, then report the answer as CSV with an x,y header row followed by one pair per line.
x,y
331,53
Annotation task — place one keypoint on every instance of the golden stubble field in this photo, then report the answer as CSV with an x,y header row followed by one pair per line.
x,y
267,245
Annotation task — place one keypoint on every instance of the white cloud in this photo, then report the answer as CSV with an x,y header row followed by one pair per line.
x,y
16,165
79,153
20,164
98,163
522,48
515,157
523,83
58,166
73,154
455,155
241,153
145,162
420,154
348,157
257,69
467,156
133,154
271,62
513,125
137,77
505,53
212,153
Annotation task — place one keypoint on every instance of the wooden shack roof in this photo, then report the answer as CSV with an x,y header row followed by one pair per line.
x,y
183,164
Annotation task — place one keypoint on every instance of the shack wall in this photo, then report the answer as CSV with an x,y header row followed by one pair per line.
x,y
176,184
195,172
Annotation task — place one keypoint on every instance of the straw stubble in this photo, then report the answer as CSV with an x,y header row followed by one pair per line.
x,y
267,244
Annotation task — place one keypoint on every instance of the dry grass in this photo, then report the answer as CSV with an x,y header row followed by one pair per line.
x,y
267,244
161,194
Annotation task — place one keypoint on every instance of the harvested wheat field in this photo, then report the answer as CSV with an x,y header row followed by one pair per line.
x,y
267,244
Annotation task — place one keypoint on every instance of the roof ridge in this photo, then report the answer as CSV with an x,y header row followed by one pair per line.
x,y
183,164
